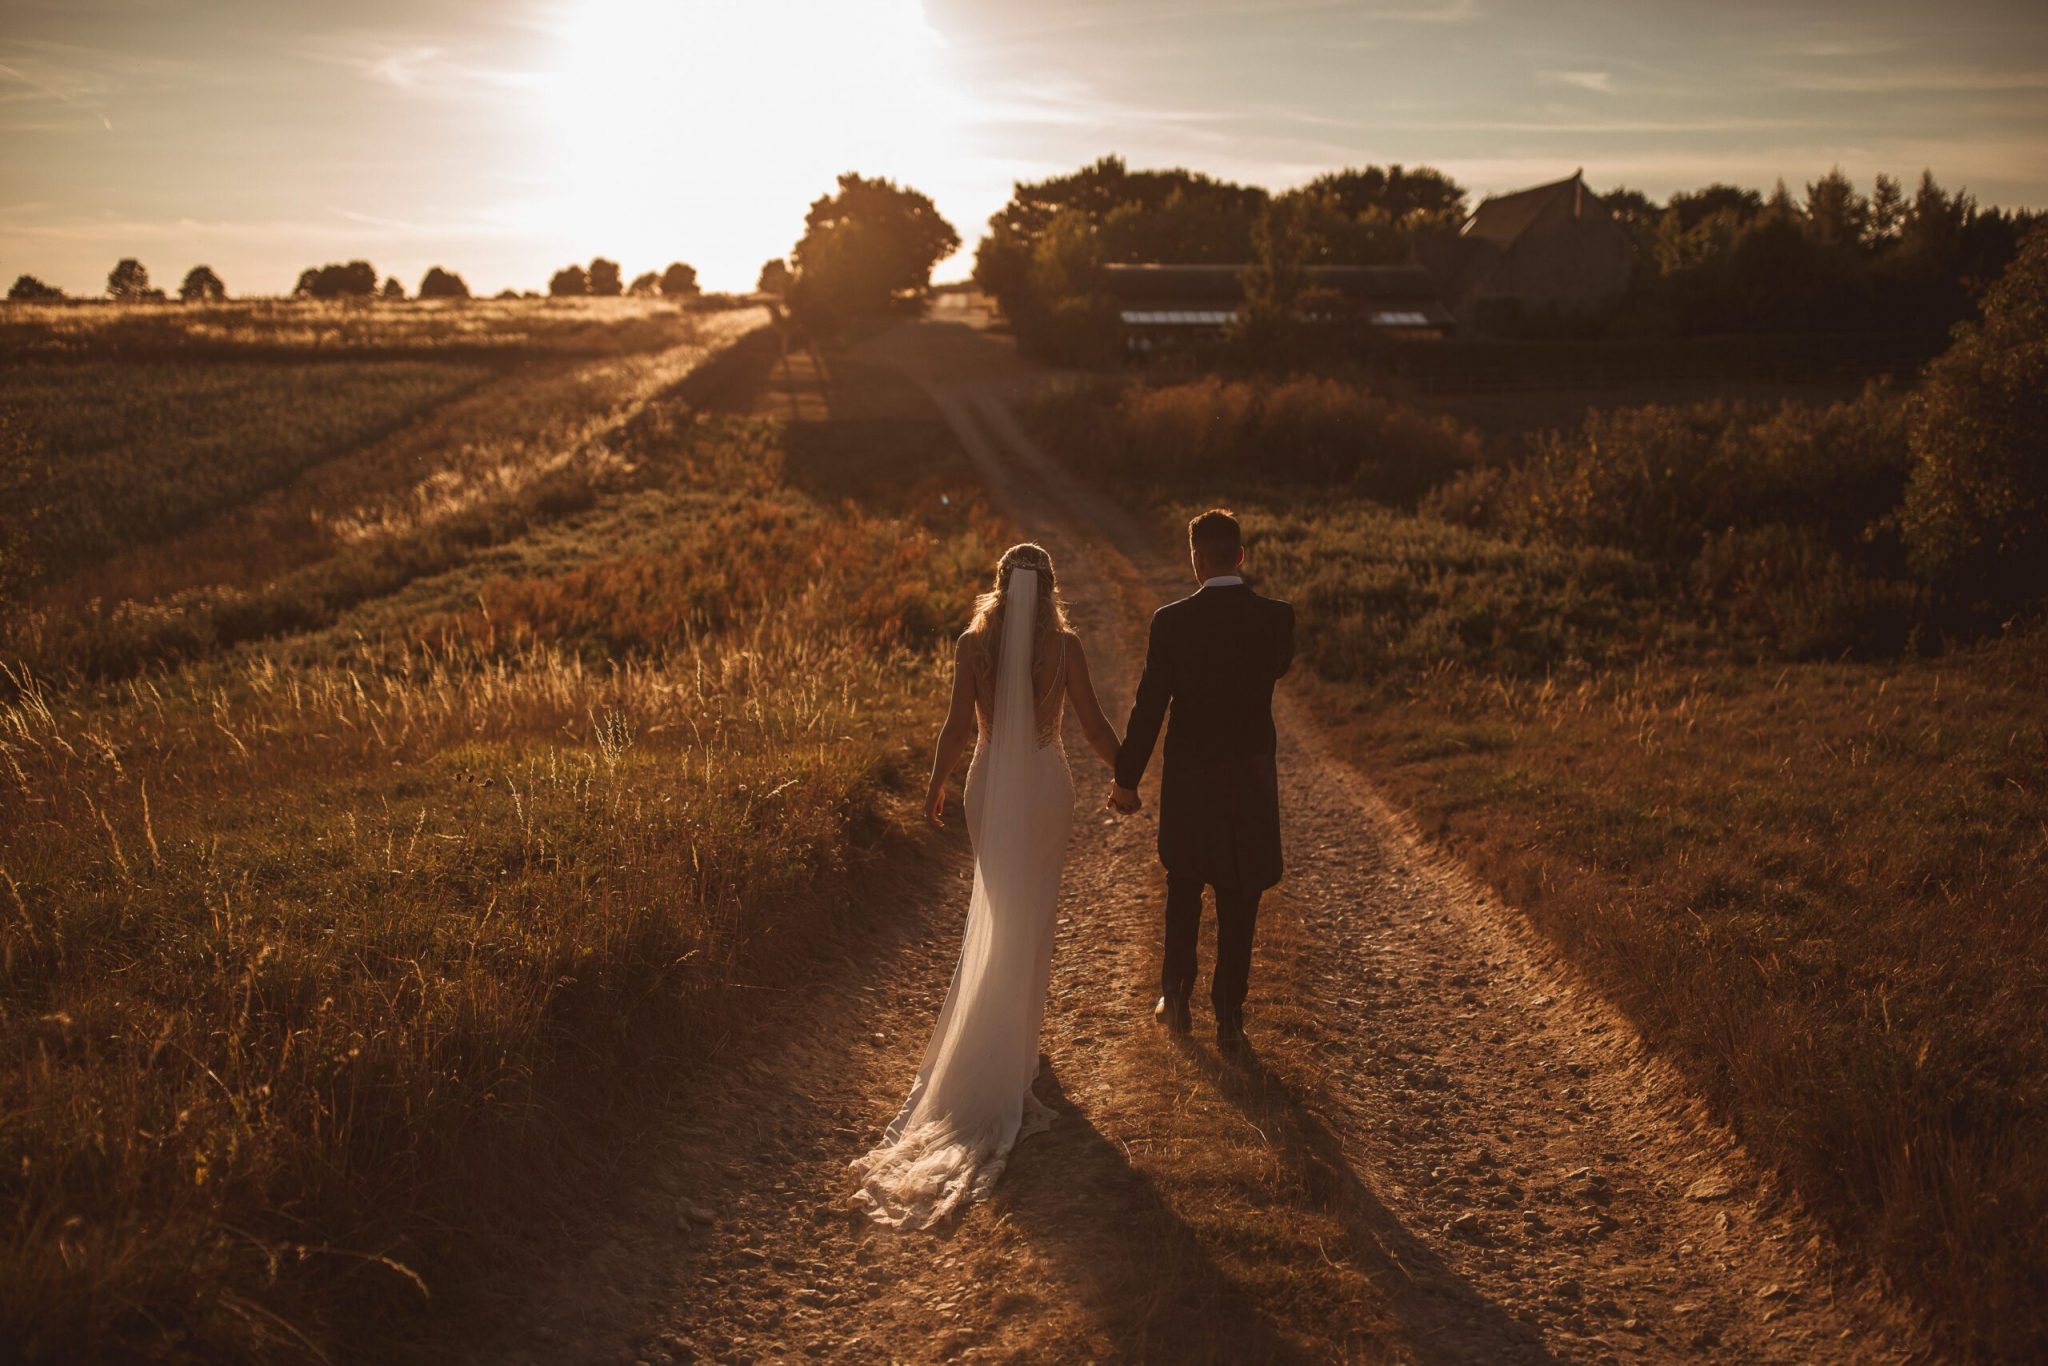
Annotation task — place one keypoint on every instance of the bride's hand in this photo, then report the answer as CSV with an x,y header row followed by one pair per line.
x,y
935,805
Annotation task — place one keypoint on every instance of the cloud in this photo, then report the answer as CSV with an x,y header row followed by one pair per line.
x,y
1909,81
1599,82
425,68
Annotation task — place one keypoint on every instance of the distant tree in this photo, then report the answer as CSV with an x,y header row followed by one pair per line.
x,y
1281,248
645,285
1934,224
775,276
508,294
1173,216
603,279
1639,217
866,243
1836,215
1887,211
1690,208
1976,508
202,286
128,281
679,281
442,284
1400,193
392,289
356,280
29,290
569,282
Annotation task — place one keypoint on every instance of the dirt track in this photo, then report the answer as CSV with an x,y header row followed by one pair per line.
x,y
1445,1149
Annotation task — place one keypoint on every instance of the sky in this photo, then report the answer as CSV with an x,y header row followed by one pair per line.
x,y
505,138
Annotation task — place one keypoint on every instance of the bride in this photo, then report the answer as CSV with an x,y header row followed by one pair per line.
x,y
1015,669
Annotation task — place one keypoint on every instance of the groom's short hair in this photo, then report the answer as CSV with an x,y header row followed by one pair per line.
x,y
1215,535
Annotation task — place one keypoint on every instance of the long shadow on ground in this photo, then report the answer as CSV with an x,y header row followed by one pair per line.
x,y
1446,1317
1142,1274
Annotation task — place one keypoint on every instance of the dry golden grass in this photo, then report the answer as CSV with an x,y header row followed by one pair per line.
x,y
301,329
1816,886
539,440
309,956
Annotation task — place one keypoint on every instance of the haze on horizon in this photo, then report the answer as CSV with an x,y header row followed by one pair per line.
x,y
505,138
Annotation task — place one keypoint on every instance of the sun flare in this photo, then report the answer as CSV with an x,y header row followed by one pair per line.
x,y
701,130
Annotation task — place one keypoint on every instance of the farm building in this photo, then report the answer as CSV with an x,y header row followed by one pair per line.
x,y
1162,305
1553,249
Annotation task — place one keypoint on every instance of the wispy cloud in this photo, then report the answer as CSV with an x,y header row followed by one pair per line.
x,y
425,67
1599,82
1908,81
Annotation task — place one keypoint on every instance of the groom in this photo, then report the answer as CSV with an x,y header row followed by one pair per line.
x,y
1214,657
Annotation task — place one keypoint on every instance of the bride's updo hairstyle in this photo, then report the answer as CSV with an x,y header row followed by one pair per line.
x,y
988,608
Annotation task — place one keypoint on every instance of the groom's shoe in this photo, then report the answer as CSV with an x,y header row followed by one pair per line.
x,y
1230,1037
1172,1011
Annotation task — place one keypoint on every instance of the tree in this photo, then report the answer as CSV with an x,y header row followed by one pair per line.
x,y
774,278
29,290
1836,215
1976,510
1273,284
1690,208
865,244
679,281
356,280
442,284
128,281
393,289
1423,193
1887,211
645,285
202,286
603,278
569,282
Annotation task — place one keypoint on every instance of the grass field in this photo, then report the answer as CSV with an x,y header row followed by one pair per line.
x,y
318,949
520,440
135,452
1815,883
290,329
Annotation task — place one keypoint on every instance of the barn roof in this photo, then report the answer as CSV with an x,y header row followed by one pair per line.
x,y
1503,218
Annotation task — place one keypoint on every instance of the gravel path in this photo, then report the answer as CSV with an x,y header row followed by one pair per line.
x,y
1445,1149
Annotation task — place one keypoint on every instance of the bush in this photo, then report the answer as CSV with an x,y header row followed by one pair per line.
x,y
1787,588
1326,432
1976,511
1658,481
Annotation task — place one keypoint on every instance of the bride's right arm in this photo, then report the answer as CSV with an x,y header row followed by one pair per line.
x,y
1095,726
954,736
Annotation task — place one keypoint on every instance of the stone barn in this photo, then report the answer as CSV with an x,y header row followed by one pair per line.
x,y
1553,250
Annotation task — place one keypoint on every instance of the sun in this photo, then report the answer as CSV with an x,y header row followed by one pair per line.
x,y
700,130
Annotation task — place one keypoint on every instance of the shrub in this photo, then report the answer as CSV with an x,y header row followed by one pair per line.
x,y
1657,481
1326,432
1976,511
1787,588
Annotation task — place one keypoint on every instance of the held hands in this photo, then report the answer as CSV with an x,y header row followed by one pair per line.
x,y
1121,799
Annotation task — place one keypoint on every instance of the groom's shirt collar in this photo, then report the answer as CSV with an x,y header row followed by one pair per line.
x,y
1224,581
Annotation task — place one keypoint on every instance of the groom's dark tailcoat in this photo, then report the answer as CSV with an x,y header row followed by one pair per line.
x,y
1213,659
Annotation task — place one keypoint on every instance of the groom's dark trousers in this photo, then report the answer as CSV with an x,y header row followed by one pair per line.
x,y
1212,661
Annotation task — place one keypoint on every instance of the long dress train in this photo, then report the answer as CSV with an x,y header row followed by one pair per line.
x,y
972,1097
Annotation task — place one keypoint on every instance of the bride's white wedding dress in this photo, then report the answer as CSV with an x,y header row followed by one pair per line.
x,y
972,1098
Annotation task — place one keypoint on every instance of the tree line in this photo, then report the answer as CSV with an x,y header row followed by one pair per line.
x,y
1721,258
